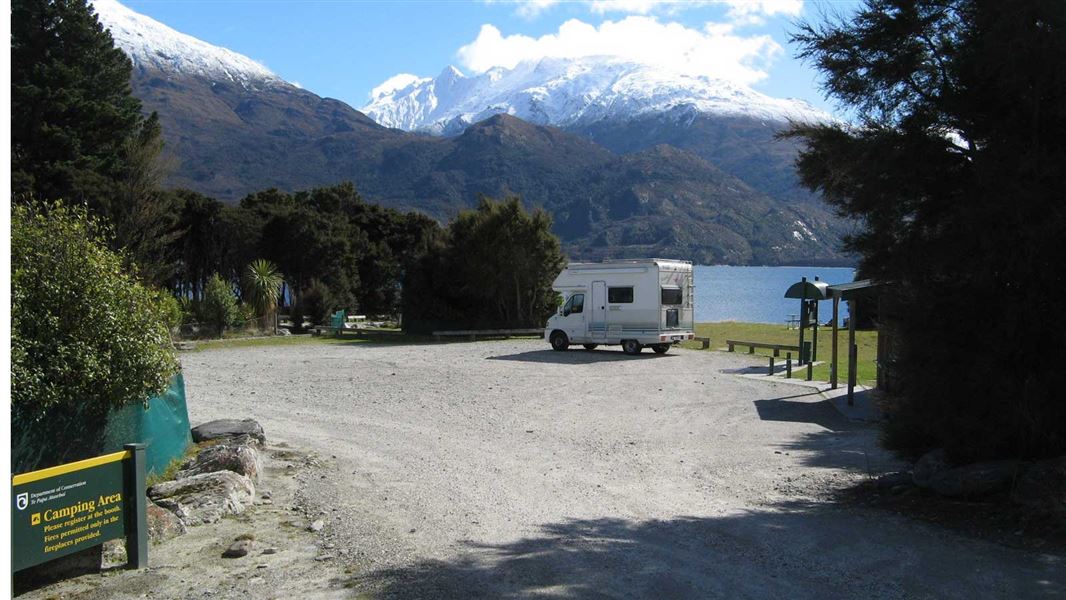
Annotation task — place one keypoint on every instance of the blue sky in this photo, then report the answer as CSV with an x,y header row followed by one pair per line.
x,y
343,49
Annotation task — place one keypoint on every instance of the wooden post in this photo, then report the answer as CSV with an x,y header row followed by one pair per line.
x,y
835,365
803,318
853,350
814,332
788,365
136,507
771,367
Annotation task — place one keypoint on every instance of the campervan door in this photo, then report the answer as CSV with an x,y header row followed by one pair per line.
x,y
597,321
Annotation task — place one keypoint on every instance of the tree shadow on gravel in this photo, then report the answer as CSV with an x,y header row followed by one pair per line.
x,y
577,357
842,443
808,407
795,550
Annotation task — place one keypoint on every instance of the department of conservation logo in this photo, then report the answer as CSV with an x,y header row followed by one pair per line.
x,y
22,500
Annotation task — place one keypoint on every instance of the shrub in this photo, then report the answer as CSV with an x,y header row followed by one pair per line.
x,y
86,337
315,303
219,307
173,313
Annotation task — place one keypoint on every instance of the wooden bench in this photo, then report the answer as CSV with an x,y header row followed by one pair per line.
x,y
706,341
777,348
474,333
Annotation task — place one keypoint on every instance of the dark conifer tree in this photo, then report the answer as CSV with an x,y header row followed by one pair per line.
x,y
957,171
72,111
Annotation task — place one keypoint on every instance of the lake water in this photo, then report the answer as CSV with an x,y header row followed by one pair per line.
x,y
757,294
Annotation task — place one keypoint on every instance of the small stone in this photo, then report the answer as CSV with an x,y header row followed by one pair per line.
x,y
323,557
316,525
929,465
271,550
238,549
266,495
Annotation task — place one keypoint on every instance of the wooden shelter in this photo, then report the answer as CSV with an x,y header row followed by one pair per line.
x,y
809,293
849,292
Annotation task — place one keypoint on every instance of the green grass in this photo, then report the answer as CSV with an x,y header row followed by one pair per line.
x,y
777,334
389,337
281,340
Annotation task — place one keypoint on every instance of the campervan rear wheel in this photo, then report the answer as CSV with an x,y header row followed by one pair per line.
x,y
631,347
590,346
558,341
660,348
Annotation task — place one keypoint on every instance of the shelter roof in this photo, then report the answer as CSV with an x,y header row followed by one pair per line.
x,y
845,291
807,290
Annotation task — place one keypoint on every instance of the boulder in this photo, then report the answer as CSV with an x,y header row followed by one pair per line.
x,y
162,524
238,549
205,498
977,479
242,460
929,465
232,431
1042,487
889,481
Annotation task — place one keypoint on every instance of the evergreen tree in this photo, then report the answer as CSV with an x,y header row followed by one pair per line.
x,y
78,133
72,112
957,172
493,269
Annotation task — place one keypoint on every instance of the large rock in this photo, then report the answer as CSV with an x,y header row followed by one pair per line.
x,y
977,479
930,464
231,431
1042,487
205,498
242,460
162,524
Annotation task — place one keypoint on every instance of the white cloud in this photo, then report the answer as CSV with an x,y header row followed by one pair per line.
x,y
752,12
715,50
739,11
639,7
533,8
396,82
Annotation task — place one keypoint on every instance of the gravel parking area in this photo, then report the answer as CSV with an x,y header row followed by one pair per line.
x,y
504,469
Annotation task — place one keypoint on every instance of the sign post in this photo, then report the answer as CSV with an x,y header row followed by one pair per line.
x,y
68,508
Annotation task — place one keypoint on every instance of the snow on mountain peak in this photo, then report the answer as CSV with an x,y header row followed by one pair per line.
x,y
571,91
150,43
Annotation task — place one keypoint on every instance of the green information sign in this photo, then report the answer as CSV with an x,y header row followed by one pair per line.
x,y
68,508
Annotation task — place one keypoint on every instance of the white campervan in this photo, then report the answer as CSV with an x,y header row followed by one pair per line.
x,y
635,303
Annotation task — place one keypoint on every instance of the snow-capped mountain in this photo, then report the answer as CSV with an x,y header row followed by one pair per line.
x,y
569,93
676,182
151,44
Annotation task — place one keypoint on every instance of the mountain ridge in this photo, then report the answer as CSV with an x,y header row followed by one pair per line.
x,y
235,135
569,93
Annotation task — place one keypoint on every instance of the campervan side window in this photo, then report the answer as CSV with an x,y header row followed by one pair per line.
x,y
672,296
575,305
620,295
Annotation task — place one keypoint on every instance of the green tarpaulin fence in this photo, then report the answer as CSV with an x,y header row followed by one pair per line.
x,y
75,432
163,426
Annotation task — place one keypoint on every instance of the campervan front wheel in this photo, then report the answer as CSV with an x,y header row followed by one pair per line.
x,y
558,341
631,347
